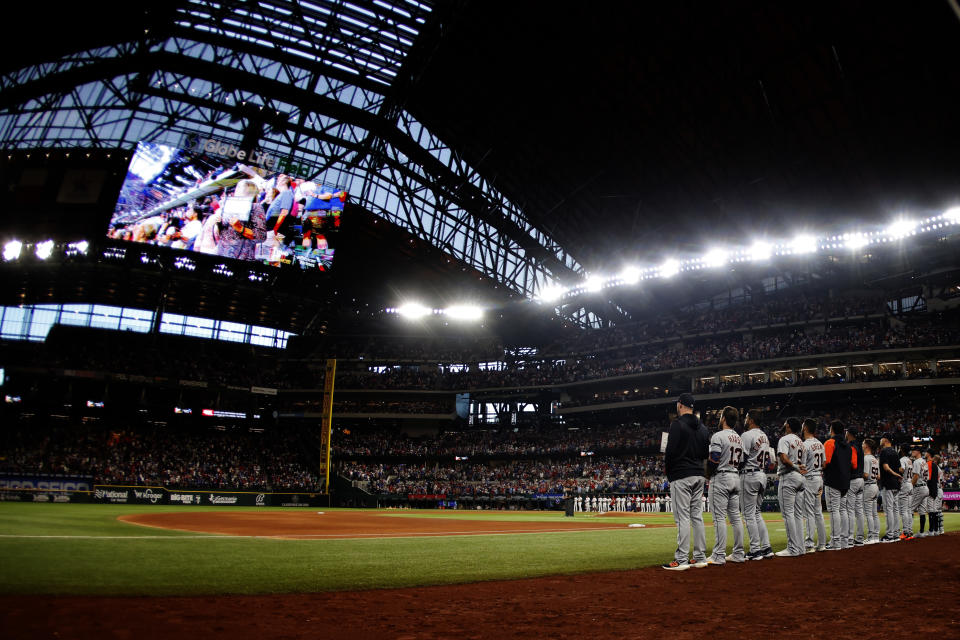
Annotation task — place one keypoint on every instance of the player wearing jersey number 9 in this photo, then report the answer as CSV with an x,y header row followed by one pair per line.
x,y
791,472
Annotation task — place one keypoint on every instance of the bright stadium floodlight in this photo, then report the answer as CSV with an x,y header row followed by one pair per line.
x,y
44,249
855,241
593,284
413,310
900,229
630,275
760,250
669,268
11,250
952,214
552,293
464,312
803,244
715,258
81,246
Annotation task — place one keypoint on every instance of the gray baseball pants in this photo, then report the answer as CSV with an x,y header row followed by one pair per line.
x,y
687,497
752,487
791,486
891,513
853,504
870,510
812,486
725,498
838,518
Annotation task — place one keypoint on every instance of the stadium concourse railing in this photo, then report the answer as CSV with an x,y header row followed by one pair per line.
x,y
57,488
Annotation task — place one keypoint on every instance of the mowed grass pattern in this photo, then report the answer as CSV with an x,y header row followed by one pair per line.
x,y
124,559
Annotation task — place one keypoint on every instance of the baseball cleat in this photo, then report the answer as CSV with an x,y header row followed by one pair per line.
x,y
831,547
675,566
858,543
823,548
871,541
699,565
713,563
811,550
786,553
887,540
768,552
755,555
737,560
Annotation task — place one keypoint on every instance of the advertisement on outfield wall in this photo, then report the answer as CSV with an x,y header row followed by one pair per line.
x,y
161,495
45,482
951,495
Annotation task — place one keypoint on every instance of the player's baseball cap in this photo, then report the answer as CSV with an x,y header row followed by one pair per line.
x,y
686,399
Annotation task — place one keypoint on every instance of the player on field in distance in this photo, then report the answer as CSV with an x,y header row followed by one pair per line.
x,y
836,477
753,483
791,472
871,477
938,501
853,501
813,459
688,443
723,469
890,482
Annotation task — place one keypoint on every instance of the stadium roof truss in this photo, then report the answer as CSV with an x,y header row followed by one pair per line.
x,y
322,83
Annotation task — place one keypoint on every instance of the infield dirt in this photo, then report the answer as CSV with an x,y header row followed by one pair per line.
x,y
862,592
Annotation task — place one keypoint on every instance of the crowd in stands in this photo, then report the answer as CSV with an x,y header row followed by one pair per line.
x,y
586,474
181,459
390,406
743,316
551,440
693,353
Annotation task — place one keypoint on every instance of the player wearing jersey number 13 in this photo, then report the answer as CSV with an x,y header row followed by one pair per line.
x,y
723,469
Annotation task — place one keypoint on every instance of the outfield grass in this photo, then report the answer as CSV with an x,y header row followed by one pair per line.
x,y
124,559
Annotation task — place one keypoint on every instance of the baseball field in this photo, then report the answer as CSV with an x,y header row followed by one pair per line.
x,y
135,571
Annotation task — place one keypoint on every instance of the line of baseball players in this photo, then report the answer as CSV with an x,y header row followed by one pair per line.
x,y
636,504
849,474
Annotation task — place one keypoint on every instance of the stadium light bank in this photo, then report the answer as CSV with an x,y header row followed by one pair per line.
x,y
760,250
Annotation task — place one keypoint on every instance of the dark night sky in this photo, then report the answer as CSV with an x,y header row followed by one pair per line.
x,y
625,128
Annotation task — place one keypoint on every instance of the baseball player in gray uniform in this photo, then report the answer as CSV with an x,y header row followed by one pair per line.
x,y
871,488
919,474
790,469
753,483
813,457
726,457
906,493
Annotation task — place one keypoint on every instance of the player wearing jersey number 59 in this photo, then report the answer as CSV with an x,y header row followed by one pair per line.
x,y
684,460
791,472
871,475
723,466
836,476
813,459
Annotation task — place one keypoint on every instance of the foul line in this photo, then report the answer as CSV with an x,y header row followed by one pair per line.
x,y
170,537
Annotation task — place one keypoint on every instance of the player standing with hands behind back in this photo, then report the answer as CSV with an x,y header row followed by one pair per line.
x,y
688,442
836,475
726,457
791,472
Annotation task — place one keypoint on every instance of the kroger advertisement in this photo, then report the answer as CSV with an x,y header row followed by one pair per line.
x,y
216,199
